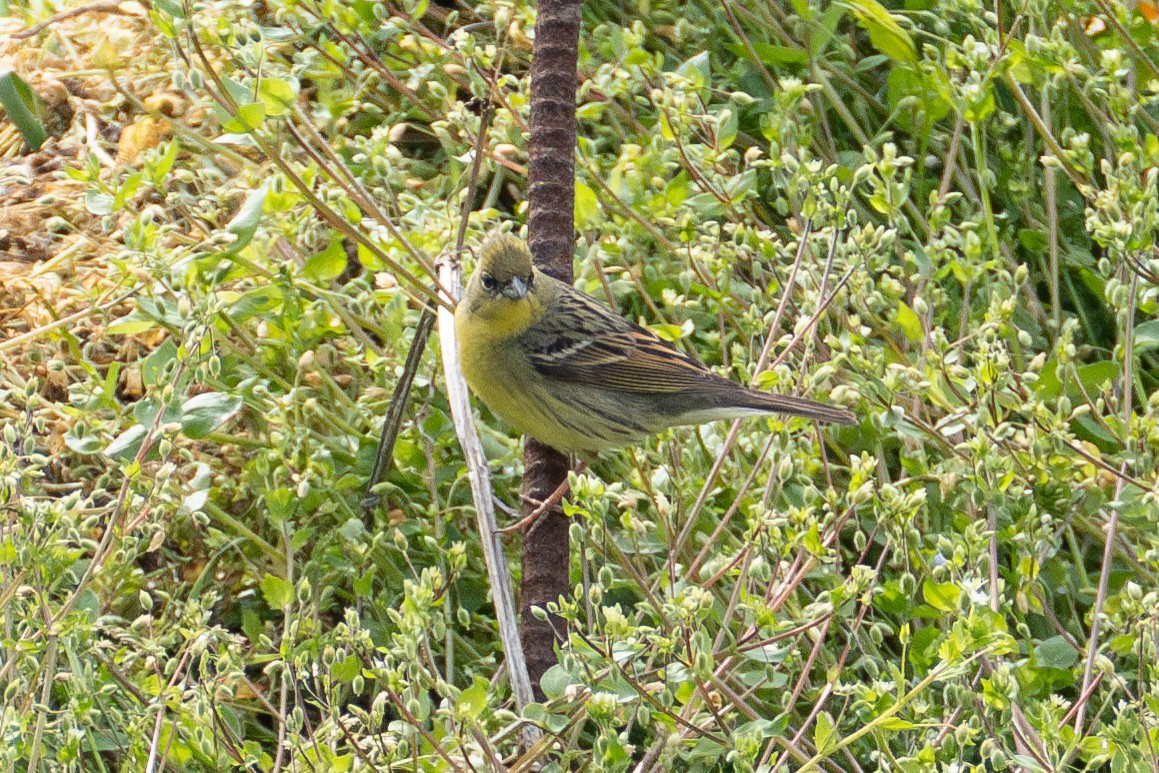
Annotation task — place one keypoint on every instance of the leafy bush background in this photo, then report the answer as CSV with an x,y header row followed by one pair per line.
x,y
956,209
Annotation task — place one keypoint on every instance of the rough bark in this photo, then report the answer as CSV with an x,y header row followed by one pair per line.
x,y
551,235
545,560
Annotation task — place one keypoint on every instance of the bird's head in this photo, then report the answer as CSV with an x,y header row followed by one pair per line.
x,y
504,269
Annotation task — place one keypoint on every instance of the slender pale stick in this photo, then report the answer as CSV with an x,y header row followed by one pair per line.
x,y
480,478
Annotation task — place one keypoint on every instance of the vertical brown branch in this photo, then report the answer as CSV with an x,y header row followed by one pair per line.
x,y
551,235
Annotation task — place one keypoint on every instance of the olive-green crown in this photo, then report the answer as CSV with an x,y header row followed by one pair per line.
x,y
504,256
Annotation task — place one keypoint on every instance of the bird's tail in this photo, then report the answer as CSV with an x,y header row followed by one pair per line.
x,y
798,406
732,401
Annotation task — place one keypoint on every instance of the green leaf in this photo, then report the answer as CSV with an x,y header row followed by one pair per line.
x,y
768,653
587,206
909,322
615,755
592,111
826,27
155,368
1147,336
327,264
706,205
666,130
473,701
126,445
891,600
536,714
886,35
929,92
23,109
669,332
303,536
277,96
1048,385
636,57
98,203
870,63
776,56
697,70
1088,428
942,596
127,189
346,669
921,648
1097,375
159,169
259,301
251,625
823,732
277,592
281,503
1033,240
803,9
145,412
245,222
555,680
1093,378
812,541
982,106
202,414
130,325
81,442
247,118
727,131
369,260
1055,652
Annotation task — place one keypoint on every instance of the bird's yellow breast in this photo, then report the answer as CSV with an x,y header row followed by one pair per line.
x,y
484,321
488,357
497,369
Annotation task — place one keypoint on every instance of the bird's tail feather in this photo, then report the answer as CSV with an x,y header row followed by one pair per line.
x,y
740,402
799,406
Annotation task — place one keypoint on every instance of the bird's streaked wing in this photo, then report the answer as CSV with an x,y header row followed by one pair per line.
x,y
586,343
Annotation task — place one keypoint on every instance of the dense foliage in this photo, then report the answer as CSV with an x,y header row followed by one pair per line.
x,y
938,216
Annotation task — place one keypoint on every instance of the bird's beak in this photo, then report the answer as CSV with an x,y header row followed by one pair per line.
x,y
516,289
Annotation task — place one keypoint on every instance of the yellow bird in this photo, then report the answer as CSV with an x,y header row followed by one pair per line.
x,y
559,366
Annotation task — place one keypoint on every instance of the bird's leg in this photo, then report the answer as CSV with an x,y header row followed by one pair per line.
x,y
541,507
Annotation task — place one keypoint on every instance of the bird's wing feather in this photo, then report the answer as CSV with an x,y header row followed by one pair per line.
x,y
584,342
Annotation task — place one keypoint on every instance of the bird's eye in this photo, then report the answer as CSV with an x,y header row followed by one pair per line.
x,y
489,282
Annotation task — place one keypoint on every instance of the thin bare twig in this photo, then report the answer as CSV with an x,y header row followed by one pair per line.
x,y
546,505
1113,521
100,6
